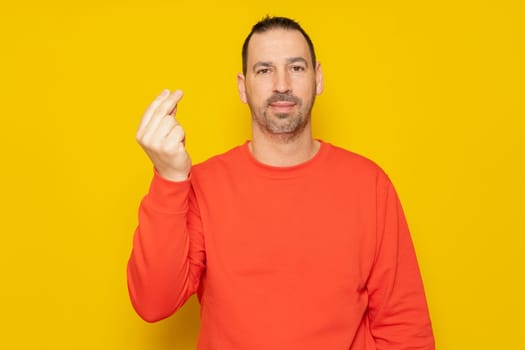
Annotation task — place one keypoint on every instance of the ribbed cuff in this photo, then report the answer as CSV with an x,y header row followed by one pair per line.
x,y
168,196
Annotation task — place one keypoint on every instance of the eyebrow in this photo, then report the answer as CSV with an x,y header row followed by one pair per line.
x,y
297,59
288,61
262,64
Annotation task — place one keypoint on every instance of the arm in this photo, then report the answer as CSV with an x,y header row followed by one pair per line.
x,y
168,249
398,310
168,254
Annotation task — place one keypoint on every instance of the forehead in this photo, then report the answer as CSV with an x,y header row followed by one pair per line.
x,y
277,44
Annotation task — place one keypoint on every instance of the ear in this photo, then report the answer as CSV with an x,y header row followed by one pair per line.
x,y
319,80
241,86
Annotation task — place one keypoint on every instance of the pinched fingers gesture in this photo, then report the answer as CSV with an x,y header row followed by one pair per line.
x,y
162,137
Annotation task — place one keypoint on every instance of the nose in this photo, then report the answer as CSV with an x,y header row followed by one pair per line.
x,y
281,82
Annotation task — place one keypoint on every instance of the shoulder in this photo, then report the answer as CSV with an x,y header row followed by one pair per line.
x,y
351,161
351,167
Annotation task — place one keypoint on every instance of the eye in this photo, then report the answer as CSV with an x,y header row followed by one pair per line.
x,y
297,68
263,71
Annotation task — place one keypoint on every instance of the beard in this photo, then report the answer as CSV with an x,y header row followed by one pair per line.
x,y
285,126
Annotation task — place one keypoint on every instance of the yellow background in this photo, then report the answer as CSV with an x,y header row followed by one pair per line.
x,y
432,91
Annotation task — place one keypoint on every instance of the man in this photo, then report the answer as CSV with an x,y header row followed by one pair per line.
x,y
289,242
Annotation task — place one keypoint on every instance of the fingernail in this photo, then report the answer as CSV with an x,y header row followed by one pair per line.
x,y
164,93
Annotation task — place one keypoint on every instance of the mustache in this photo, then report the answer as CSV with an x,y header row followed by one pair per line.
x,y
283,97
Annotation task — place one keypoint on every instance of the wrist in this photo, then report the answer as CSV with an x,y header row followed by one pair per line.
x,y
174,176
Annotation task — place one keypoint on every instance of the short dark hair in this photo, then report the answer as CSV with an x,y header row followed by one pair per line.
x,y
268,23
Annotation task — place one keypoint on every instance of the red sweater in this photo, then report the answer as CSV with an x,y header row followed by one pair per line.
x,y
315,256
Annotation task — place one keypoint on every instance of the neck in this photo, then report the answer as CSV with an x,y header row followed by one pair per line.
x,y
277,151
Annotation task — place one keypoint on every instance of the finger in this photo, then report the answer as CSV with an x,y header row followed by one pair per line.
x,y
169,104
162,131
151,108
173,111
176,136
162,111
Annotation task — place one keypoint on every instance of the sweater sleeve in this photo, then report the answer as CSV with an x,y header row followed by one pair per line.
x,y
398,312
168,254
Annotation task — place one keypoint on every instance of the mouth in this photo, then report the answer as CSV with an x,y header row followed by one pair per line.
x,y
282,106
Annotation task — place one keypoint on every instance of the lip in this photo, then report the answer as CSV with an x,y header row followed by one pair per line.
x,y
282,103
282,106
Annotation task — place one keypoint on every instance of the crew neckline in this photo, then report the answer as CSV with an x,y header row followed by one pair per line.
x,y
286,171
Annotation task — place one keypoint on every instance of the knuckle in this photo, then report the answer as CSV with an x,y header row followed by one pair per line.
x,y
167,149
178,130
139,137
150,143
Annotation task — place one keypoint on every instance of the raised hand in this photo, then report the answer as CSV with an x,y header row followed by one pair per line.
x,y
162,137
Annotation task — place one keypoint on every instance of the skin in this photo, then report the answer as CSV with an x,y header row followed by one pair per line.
x,y
280,68
162,137
280,87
